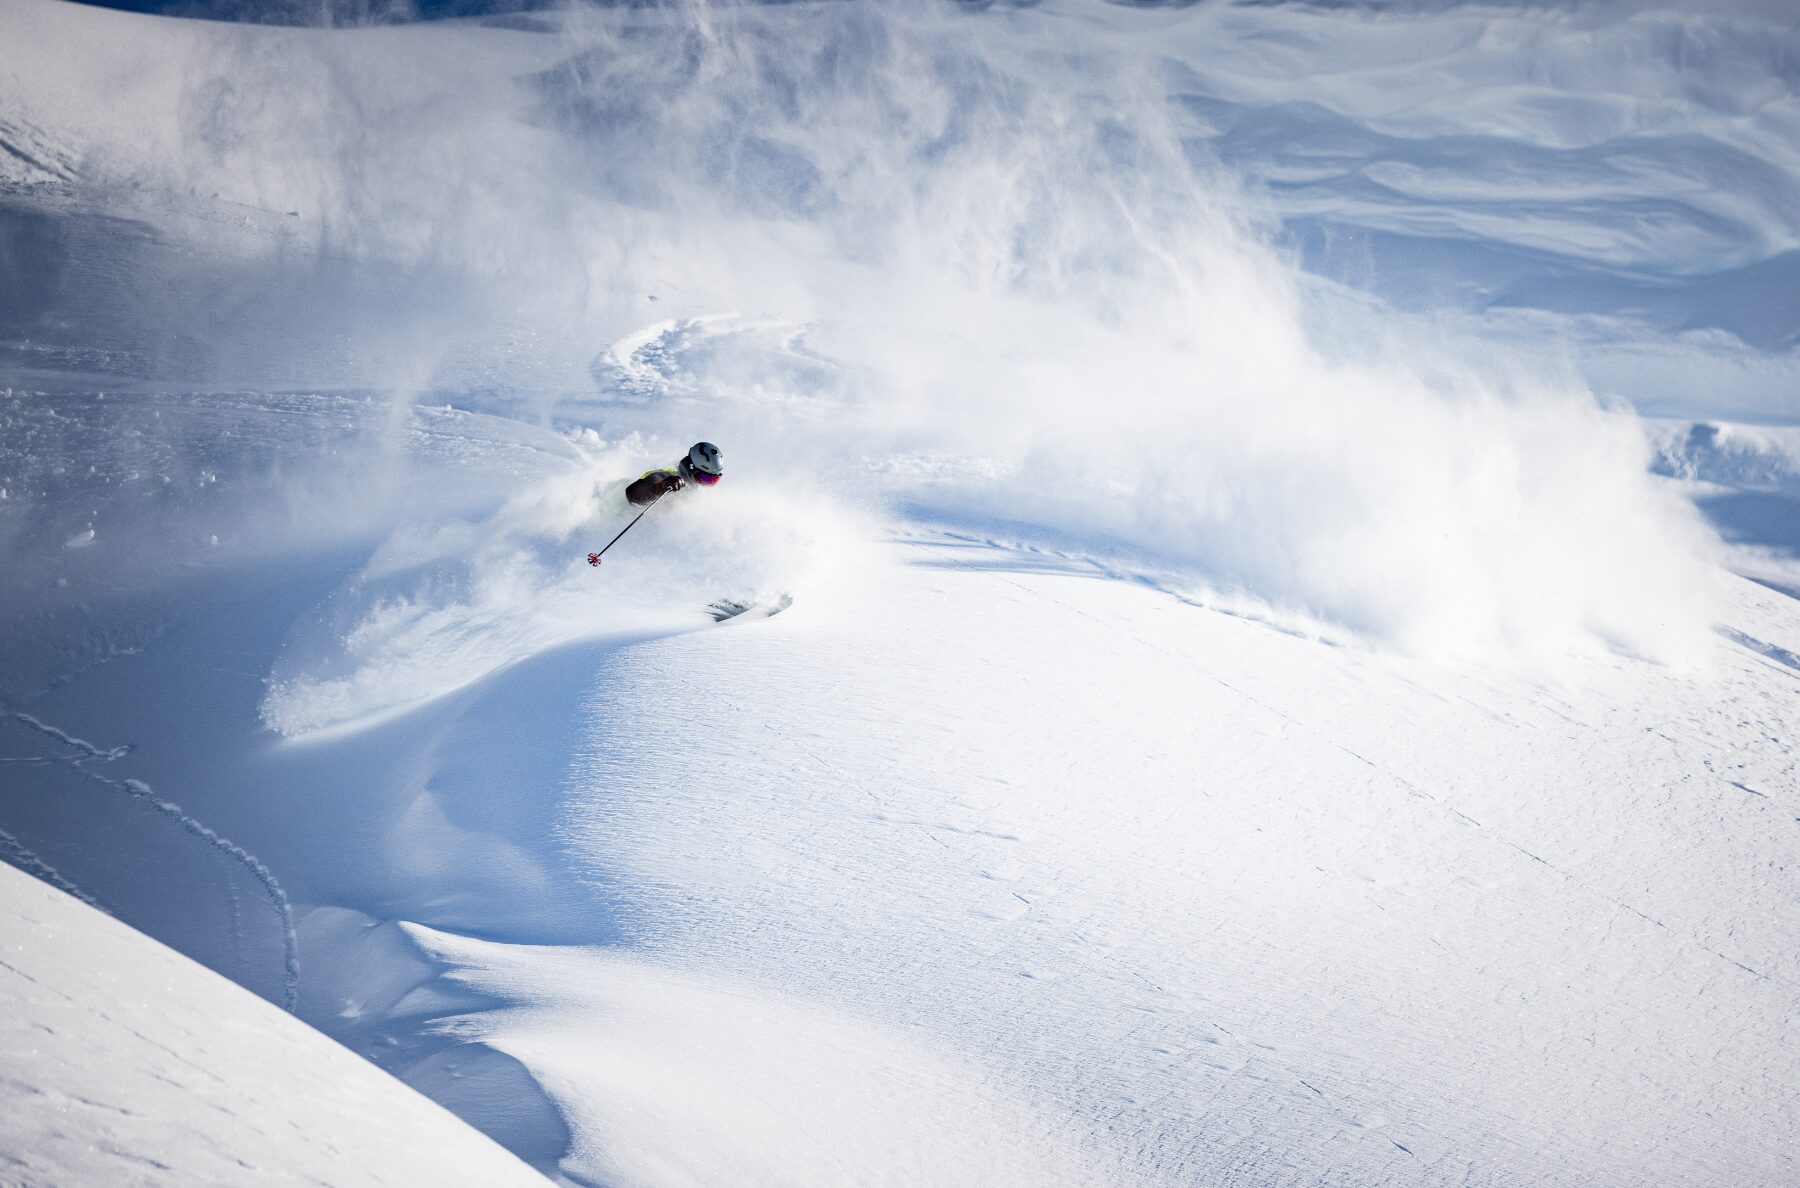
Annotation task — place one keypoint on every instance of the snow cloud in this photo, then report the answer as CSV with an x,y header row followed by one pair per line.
x,y
447,601
976,261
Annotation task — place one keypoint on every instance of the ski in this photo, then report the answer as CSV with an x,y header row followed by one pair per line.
x,y
725,609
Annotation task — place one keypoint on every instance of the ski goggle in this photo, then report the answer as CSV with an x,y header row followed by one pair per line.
x,y
704,479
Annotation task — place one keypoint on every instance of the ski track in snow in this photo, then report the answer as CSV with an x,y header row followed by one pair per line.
x,y
854,785
23,858
139,790
1768,651
989,862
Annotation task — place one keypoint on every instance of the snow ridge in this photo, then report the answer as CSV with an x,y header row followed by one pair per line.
x,y
128,1063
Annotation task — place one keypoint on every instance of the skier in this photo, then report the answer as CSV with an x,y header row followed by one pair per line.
x,y
701,467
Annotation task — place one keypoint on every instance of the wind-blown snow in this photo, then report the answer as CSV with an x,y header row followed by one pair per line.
x,y
1001,255
441,605
1252,701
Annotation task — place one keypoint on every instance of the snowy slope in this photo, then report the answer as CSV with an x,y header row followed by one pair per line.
x,y
1215,899
1082,871
129,1064
1254,703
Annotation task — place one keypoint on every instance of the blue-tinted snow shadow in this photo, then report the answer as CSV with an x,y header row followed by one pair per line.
x,y
1024,549
948,538
1769,522
135,698
1765,519
448,815
445,815
995,556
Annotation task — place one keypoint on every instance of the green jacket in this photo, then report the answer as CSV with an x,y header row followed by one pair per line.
x,y
653,486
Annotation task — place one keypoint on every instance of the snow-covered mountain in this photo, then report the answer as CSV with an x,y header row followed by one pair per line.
x,y
1270,531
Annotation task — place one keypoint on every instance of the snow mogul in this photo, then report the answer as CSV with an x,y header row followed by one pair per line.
x,y
701,468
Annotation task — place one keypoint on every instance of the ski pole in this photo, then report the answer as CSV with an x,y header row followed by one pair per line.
x,y
594,558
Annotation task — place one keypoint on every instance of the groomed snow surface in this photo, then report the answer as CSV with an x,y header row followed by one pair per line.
x,y
1233,694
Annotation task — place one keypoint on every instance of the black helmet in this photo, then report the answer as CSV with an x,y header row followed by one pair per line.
x,y
702,464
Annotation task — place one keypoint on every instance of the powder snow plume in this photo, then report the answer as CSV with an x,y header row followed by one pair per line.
x,y
968,262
